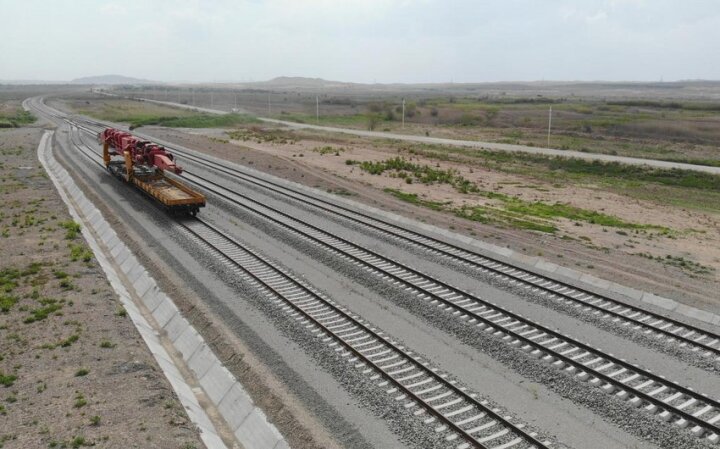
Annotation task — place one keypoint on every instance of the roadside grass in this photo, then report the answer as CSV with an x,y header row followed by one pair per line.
x,y
413,198
562,210
518,213
80,401
49,306
139,114
690,266
411,172
261,135
7,302
19,118
194,121
80,252
328,150
353,120
72,229
7,380
674,187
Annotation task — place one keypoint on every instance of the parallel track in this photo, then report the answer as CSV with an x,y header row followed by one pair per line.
x,y
666,399
406,378
708,343
686,335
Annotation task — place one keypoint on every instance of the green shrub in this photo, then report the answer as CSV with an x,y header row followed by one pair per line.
x,y
72,229
7,380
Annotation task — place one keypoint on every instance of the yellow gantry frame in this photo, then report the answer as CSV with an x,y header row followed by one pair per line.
x,y
128,165
106,153
126,155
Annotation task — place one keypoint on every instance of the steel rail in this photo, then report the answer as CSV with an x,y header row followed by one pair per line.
x,y
529,342
635,315
514,319
473,441
639,317
285,279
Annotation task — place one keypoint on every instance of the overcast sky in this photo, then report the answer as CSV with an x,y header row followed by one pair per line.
x,y
361,40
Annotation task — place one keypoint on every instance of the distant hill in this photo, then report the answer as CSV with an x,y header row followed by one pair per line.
x,y
299,81
111,79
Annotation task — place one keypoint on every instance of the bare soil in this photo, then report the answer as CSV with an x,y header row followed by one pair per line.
x,y
74,371
599,250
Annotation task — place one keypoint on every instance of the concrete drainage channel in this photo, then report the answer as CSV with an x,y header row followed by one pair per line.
x,y
194,371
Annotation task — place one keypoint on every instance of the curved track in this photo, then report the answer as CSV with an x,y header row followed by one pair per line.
x,y
704,342
425,392
666,399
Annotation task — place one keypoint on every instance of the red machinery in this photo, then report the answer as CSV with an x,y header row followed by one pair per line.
x,y
143,164
142,152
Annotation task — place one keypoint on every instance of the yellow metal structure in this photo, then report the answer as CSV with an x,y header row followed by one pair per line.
x,y
172,194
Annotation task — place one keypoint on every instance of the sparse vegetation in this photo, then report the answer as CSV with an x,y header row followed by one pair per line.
x,y
193,121
139,114
261,135
674,187
328,150
19,118
80,252
422,173
80,401
72,229
41,313
414,199
48,332
7,302
7,380
510,210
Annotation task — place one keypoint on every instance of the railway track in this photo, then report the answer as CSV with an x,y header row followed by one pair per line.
x,y
425,392
666,399
699,340
641,388
672,331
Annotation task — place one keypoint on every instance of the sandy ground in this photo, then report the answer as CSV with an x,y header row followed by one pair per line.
x,y
599,250
74,370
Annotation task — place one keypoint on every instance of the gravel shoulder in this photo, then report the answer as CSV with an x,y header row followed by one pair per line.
x,y
74,370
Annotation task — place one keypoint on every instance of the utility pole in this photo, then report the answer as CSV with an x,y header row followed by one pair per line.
x,y
549,125
403,114
317,109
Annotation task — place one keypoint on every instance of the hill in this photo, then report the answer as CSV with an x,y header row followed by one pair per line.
x,y
111,79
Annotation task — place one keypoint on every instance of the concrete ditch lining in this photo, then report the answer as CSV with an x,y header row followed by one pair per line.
x,y
195,373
